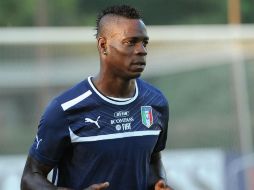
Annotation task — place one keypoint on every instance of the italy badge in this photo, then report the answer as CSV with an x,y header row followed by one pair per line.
x,y
147,115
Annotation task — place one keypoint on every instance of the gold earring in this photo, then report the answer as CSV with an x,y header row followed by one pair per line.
x,y
105,52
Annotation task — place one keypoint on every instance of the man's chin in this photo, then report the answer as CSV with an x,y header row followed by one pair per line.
x,y
132,74
135,75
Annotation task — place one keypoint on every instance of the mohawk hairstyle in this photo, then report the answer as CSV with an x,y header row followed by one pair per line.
x,y
117,10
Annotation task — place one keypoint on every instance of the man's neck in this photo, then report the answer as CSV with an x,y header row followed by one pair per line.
x,y
115,87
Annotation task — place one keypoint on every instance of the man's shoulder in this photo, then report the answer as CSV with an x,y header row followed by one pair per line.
x,y
72,92
57,102
145,86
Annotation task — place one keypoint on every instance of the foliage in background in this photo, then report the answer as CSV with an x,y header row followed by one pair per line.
x,y
81,12
247,9
16,13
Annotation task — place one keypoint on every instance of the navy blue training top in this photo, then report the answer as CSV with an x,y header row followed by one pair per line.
x,y
90,138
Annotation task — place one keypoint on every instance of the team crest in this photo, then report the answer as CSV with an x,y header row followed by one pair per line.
x,y
147,115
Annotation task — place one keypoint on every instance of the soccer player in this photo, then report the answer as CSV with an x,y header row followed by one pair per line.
x,y
107,131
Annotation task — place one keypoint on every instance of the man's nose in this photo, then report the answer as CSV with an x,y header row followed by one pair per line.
x,y
140,49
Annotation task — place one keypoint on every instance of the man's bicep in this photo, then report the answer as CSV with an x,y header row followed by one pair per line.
x,y
156,166
35,166
155,157
35,174
155,172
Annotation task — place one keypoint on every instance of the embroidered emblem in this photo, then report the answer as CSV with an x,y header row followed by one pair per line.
x,y
147,115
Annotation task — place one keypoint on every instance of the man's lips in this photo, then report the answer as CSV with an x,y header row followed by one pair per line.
x,y
139,63
139,66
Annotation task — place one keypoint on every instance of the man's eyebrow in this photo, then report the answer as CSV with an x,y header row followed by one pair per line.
x,y
135,38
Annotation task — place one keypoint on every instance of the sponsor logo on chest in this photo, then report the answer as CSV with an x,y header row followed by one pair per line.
x,y
123,121
121,114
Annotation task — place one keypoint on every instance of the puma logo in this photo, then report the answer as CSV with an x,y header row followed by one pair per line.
x,y
37,141
92,121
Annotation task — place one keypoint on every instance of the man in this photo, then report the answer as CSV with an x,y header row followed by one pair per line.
x,y
107,131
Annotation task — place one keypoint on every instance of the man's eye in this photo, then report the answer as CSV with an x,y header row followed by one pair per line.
x,y
145,43
130,43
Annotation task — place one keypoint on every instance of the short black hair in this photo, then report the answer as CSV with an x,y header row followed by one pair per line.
x,y
118,10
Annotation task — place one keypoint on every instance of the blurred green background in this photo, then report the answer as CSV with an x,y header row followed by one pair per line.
x,y
83,12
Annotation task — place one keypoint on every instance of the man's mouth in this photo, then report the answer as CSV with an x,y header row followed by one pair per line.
x,y
140,63
139,66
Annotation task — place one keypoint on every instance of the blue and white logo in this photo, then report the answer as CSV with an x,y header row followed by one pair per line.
x,y
93,121
121,114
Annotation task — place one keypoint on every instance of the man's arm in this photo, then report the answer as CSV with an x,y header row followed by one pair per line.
x,y
157,175
35,177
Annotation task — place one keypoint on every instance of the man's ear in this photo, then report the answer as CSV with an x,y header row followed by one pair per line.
x,y
160,185
102,45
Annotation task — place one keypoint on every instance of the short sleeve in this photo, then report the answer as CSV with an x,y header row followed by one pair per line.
x,y
161,143
52,137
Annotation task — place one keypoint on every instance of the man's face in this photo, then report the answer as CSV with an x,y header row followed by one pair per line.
x,y
126,47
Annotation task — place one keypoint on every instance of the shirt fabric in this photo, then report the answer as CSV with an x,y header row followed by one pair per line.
x,y
90,138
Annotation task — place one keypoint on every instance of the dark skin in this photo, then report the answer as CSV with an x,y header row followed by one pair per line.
x,y
122,49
